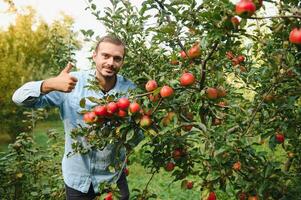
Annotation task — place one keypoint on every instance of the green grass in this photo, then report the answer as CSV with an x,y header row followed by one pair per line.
x,y
41,129
161,184
138,178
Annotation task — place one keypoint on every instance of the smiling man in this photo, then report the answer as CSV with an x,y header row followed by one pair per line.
x,y
83,173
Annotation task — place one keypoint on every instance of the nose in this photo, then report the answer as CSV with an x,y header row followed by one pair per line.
x,y
110,61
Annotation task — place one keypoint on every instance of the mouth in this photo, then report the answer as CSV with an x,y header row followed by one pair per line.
x,y
109,70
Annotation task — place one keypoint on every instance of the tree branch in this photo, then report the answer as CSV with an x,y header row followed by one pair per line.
x,y
204,63
277,16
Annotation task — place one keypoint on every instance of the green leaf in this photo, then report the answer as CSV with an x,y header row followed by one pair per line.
x,y
82,103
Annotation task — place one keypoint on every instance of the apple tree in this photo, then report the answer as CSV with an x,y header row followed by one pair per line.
x,y
218,97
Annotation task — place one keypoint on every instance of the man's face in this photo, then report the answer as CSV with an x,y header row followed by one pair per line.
x,y
108,59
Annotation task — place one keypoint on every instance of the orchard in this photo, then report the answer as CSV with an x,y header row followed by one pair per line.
x,y
218,97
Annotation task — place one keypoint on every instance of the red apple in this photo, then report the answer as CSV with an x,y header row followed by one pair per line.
x,y
89,117
236,166
101,110
235,61
242,196
153,98
253,198
151,85
212,93
295,36
279,137
145,121
187,79
229,55
187,127
177,153
112,107
241,58
235,21
126,171
174,62
183,54
169,166
211,196
123,103
216,121
194,51
109,196
189,185
245,8
134,107
122,113
222,104
166,91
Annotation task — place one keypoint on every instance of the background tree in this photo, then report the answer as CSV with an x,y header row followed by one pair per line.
x,y
30,49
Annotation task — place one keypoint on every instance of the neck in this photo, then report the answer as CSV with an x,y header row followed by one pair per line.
x,y
106,83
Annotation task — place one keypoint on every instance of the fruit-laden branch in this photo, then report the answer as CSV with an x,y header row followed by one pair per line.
x,y
169,21
277,16
204,63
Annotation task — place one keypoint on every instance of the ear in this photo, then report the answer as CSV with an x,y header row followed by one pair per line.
x,y
94,56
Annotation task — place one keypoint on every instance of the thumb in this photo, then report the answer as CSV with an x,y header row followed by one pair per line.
x,y
68,68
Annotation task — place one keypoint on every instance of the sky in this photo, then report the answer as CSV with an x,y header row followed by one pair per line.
x,y
51,10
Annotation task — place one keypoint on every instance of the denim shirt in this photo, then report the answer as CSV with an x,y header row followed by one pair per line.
x,y
79,171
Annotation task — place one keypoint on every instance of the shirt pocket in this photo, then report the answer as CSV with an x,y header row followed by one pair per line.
x,y
104,158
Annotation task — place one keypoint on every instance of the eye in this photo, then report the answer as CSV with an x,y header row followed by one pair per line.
x,y
105,56
117,59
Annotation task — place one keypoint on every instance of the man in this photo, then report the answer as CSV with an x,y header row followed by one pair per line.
x,y
82,173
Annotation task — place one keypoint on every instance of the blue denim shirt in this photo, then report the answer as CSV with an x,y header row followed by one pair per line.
x,y
79,171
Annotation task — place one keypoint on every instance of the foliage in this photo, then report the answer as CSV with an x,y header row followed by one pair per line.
x,y
30,50
252,63
29,171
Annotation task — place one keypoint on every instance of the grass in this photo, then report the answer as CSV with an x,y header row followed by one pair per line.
x,y
161,184
138,177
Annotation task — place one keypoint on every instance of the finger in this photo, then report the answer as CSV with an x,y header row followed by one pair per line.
x,y
73,78
72,84
68,68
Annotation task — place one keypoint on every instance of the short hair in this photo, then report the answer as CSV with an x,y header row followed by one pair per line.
x,y
111,39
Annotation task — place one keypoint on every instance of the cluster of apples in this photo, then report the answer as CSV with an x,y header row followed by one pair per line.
x,y
121,108
193,52
246,8
166,91
177,154
214,93
236,60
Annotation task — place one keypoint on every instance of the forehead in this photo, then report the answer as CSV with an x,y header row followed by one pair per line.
x,y
110,48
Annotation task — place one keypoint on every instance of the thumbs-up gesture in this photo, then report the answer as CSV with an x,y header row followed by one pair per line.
x,y
64,82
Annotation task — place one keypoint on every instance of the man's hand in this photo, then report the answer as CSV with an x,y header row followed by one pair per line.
x,y
64,82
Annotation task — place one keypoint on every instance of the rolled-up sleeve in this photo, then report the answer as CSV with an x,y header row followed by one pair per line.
x,y
29,95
